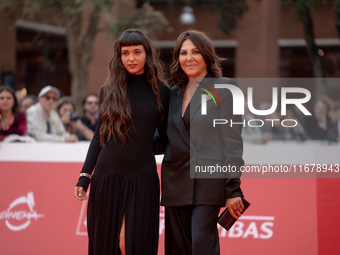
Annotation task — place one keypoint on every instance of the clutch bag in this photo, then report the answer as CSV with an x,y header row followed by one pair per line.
x,y
226,220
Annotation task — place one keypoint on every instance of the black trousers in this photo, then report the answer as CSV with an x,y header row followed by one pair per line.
x,y
191,230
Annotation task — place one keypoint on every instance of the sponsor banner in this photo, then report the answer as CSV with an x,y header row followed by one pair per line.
x,y
39,214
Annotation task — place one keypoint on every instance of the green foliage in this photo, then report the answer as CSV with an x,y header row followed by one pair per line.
x,y
81,35
303,6
144,18
178,3
230,11
337,11
52,9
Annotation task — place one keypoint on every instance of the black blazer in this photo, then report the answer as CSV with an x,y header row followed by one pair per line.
x,y
221,145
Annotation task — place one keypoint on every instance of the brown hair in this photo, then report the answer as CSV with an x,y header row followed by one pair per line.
x,y
115,109
206,48
65,100
11,90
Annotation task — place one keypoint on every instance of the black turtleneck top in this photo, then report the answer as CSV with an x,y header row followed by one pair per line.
x,y
137,154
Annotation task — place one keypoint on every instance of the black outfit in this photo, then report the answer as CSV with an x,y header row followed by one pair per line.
x,y
191,230
125,180
333,132
192,204
314,131
88,123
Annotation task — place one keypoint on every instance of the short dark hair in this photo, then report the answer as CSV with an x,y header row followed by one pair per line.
x,y
88,95
206,48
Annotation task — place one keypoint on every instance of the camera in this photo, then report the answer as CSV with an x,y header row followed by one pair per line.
x,y
74,116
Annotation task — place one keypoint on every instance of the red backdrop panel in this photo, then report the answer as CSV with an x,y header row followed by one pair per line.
x,y
39,215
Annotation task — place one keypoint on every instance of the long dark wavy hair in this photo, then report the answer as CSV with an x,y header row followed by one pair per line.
x,y
206,48
115,108
11,90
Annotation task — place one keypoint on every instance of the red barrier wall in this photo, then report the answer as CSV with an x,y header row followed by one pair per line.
x,y
39,215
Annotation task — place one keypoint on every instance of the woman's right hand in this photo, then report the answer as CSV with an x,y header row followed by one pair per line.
x,y
235,206
80,193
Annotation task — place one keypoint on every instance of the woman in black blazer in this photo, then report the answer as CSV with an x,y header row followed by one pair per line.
x,y
192,203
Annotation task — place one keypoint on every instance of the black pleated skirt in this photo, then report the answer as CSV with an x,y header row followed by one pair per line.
x,y
115,195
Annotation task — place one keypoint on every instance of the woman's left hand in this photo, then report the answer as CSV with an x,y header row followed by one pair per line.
x,y
235,206
80,193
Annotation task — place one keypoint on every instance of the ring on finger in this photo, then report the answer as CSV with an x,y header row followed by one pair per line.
x,y
239,206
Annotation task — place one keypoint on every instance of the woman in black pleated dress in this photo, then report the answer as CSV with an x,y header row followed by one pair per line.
x,y
123,207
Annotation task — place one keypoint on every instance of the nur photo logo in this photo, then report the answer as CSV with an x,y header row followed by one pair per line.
x,y
239,104
207,97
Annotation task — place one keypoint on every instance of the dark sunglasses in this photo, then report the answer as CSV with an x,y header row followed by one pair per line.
x,y
48,98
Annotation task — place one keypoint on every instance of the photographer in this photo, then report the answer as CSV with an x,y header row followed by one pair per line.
x,y
70,119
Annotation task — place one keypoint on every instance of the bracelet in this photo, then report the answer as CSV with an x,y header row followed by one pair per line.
x,y
86,175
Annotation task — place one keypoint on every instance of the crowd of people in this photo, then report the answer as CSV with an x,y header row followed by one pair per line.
x,y
48,117
51,118
322,125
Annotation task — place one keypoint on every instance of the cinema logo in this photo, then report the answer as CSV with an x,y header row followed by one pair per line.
x,y
238,105
20,213
256,227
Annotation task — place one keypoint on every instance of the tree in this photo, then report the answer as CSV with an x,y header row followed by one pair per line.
x,y
303,10
337,15
80,39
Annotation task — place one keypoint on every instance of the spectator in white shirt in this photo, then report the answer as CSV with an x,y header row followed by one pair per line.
x,y
43,121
